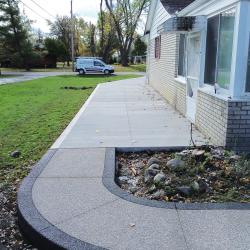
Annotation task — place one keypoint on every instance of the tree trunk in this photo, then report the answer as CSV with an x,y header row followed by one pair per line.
x,y
68,64
124,57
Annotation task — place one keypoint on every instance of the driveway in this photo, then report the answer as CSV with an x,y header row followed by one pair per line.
x,y
27,76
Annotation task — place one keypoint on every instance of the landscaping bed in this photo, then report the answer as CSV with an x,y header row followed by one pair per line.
x,y
208,174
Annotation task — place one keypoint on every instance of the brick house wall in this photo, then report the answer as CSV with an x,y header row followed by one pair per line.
x,y
162,72
238,128
211,117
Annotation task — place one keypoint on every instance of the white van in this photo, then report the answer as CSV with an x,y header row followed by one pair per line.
x,y
92,65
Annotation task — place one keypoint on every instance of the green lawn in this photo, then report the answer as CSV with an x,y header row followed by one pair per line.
x,y
34,113
118,68
130,68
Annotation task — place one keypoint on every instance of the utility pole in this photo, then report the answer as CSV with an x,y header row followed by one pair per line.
x,y
72,38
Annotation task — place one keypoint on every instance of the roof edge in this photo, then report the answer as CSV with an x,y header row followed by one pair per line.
x,y
150,16
192,7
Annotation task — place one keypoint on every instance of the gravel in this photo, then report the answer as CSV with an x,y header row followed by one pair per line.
x,y
10,236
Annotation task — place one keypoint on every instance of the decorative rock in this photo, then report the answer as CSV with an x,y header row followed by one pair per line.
x,y
176,164
184,190
123,179
152,189
154,167
148,177
169,190
199,187
133,182
159,178
195,187
198,152
153,160
15,154
159,194
183,153
202,186
151,172
133,190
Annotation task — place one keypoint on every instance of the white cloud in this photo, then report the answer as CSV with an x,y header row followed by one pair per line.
x,y
88,9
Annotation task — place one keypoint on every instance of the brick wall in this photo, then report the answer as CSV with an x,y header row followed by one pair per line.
x,y
162,72
225,123
211,117
238,129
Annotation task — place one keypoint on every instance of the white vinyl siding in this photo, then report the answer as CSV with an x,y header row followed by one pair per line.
x,y
160,16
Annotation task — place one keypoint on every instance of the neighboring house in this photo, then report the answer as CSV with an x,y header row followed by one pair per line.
x,y
199,61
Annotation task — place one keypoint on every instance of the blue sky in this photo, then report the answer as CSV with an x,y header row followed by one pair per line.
x,y
87,9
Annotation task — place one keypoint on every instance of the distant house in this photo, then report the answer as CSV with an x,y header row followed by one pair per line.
x,y
199,61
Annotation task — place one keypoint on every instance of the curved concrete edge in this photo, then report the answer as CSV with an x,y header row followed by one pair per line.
x,y
109,181
34,226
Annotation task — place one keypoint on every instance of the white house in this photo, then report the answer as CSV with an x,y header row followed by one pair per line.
x,y
199,61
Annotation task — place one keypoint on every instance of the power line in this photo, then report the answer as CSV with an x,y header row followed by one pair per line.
x,y
42,8
33,11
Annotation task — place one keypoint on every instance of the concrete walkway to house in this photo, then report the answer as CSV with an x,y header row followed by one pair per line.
x,y
78,212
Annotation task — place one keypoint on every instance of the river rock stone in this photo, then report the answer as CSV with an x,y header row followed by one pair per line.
x,y
195,186
176,164
185,190
169,190
154,167
133,190
152,161
152,189
198,153
160,178
123,179
158,194
152,171
199,187
15,154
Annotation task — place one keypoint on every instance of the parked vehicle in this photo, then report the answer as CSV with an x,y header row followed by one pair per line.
x,y
92,65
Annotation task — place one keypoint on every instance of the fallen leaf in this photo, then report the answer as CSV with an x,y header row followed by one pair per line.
x,y
134,171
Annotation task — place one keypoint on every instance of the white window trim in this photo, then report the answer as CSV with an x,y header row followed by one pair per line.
x,y
181,79
209,89
220,90
240,57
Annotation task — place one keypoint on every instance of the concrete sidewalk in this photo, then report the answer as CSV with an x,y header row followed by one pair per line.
x,y
124,114
65,201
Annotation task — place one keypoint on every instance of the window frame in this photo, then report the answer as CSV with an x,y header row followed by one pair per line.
x,y
158,47
216,85
247,69
182,77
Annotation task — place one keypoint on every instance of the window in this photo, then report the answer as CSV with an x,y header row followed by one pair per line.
x,y
99,64
220,32
248,70
158,47
211,51
182,57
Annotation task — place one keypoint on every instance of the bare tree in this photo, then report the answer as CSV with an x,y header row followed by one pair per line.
x,y
126,15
